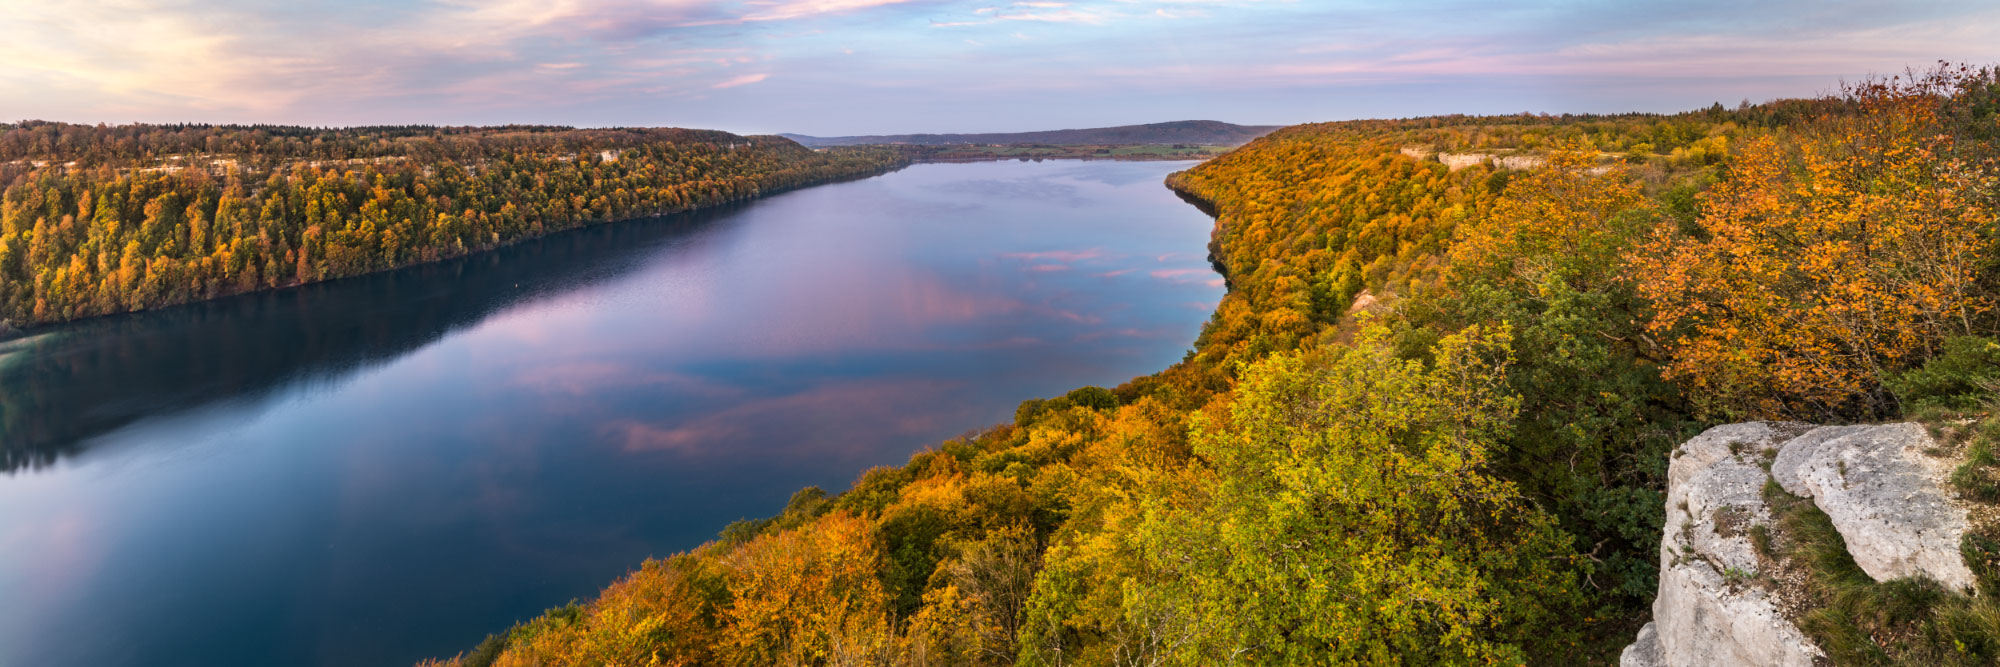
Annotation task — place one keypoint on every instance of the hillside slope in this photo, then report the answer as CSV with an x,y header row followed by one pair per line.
x,y
101,220
1472,473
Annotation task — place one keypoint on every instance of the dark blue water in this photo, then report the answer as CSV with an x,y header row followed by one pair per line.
x,y
378,470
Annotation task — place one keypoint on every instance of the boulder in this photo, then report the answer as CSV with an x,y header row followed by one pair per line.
x,y
1645,652
1885,495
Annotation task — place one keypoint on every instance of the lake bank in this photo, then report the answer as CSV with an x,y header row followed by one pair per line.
x,y
387,468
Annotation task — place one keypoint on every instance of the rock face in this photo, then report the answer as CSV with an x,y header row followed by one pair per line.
x,y
1883,491
1706,613
1457,161
1645,652
1885,496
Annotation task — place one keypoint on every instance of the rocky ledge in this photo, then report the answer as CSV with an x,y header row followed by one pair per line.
x,y
1881,487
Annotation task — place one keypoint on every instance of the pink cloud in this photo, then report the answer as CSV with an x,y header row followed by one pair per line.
x,y
780,10
744,80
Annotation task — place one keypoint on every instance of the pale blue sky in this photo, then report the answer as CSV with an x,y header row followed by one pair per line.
x,y
889,66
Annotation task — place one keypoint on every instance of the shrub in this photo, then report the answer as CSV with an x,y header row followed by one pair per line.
x,y
1959,378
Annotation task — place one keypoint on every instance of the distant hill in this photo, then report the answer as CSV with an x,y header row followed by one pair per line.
x,y
1208,132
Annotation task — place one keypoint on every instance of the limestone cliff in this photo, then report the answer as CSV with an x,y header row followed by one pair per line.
x,y
1457,161
1725,598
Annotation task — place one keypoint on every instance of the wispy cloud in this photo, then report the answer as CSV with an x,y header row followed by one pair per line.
x,y
744,80
1059,16
781,10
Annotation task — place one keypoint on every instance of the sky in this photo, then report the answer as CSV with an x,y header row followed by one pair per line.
x,y
840,67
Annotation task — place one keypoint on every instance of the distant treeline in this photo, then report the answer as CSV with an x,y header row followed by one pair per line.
x,y
1177,132
988,153
99,220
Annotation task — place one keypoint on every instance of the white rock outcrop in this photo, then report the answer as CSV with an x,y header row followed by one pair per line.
x,y
1645,652
1457,161
1886,497
1883,490
1706,612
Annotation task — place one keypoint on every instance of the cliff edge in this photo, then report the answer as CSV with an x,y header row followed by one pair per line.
x,y
1737,565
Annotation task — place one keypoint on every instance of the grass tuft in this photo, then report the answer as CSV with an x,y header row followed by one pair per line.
x,y
1909,621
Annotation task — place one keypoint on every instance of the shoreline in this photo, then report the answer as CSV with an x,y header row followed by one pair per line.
x,y
10,332
1170,183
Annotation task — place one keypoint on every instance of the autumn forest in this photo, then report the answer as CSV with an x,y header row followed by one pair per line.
x,y
1429,423
101,220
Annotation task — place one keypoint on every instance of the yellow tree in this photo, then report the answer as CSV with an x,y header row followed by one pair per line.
x,y
807,596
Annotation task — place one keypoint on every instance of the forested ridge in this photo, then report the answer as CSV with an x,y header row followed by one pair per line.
x,y
1469,470
98,220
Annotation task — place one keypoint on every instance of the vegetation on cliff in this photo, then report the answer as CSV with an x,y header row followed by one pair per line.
x,y
1471,473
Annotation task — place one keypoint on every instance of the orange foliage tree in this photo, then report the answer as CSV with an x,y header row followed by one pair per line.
x,y
808,596
1823,262
1555,224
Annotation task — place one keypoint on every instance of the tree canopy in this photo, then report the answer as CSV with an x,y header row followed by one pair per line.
x,y
1468,471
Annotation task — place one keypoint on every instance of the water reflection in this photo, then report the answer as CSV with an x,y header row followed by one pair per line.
x,y
383,469
59,389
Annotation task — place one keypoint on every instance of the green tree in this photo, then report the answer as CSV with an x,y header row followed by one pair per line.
x,y
1351,518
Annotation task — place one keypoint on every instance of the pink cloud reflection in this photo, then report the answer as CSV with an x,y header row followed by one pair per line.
x,y
592,377
1056,255
1125,332
1187,276
63,550
815,421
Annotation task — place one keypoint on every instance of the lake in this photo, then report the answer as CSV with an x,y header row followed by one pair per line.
x,y
387,468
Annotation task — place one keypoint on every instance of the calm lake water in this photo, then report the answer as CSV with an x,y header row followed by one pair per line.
x,y
387,468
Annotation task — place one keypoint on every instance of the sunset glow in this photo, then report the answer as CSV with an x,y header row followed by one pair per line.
x,y
877,66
